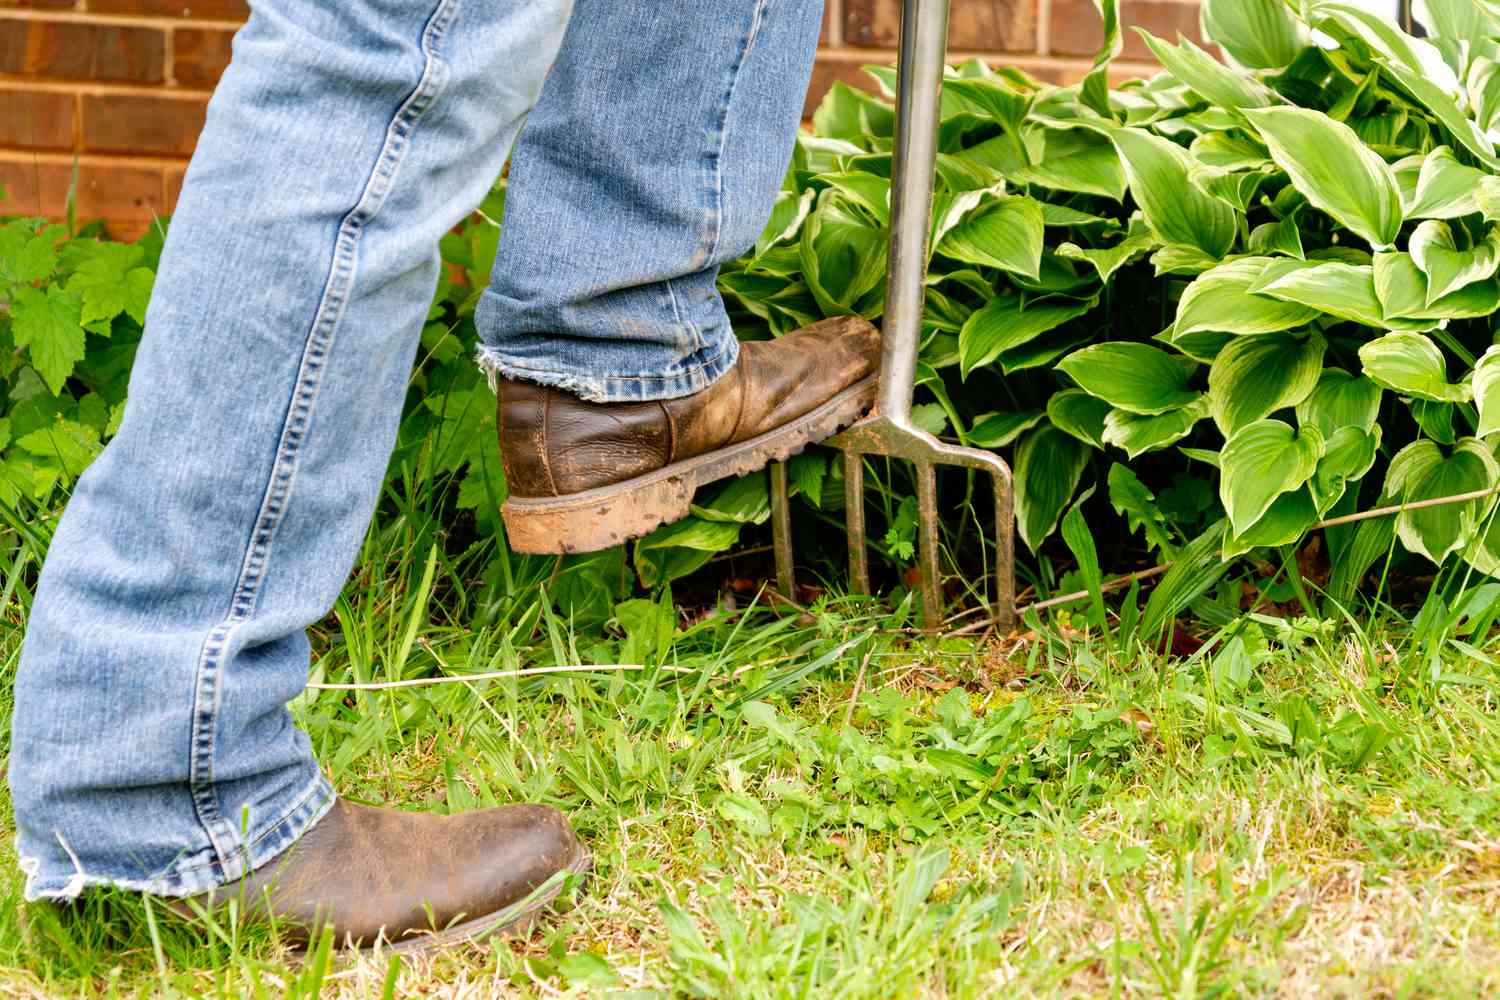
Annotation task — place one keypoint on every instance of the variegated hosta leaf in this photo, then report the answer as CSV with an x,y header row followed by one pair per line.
x,y
1445,187
1449,268
1220,300
1079,414
1349,454
1411,364
1329,164
1421,472
1135,377
1180,212
1487,391
1340,400
1210,78
1261,462
1006,234
1049,464
1403,289
1137,434
1261,34
1006,322
1254,377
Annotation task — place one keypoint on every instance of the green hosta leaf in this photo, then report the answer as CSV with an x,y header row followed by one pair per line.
x,y
1006,235
1079,414
1447,267
1340,400
1043,351
1445,188
1343,290
1230,152
746,500
1260,463
1487,391
1178,210
996,430
1063,217
1049,464
1421,472
1222,86
1132,500
1348,456
1256,376
1334,170
1135,377
1106,261
1461,20
869,191
1220,300
991,99
48,325
1411,364
786,219
1261,34
1007,322
1137,434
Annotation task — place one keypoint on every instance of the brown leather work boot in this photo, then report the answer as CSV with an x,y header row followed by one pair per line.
x,y
585,476
411,881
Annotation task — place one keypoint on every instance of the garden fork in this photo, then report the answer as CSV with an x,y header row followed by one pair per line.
x,y
890,431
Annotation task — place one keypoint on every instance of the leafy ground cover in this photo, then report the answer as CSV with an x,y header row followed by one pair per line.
x,y
822,805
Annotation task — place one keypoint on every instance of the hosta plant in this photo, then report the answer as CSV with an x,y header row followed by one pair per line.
x,y
1246,296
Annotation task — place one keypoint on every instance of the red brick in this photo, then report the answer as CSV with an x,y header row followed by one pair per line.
x,y
126,197
981,25
36,119
75,50
174,175
199,56
120,123
1077,30
217,10
42,4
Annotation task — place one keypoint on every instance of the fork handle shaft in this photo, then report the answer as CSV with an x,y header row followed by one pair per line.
x,y
924,48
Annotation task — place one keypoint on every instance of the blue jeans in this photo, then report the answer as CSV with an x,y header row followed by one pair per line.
x,y
151,746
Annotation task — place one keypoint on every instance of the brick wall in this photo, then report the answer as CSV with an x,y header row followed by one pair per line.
x,y
119,86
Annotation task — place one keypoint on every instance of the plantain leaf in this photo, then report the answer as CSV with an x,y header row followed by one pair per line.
x,y
1254,377
1177,209
1261,462
1329,164
1135,377
1411,364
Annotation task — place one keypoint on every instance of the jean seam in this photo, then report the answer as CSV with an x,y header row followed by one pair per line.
x,y
300,410
721,129
641,377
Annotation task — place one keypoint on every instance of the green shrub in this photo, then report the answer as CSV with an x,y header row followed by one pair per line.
x,y
1276,276
1232,301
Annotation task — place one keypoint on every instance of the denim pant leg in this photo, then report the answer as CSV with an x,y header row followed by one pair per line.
x,y
152,748
655,154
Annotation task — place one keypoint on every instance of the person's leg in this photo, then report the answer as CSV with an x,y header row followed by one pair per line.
x,y
655,154
151,747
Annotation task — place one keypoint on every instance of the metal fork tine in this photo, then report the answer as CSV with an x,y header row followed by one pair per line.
x,y
927,549
854,518
781,532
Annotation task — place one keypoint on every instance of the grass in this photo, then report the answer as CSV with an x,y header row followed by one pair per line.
x,y
824,806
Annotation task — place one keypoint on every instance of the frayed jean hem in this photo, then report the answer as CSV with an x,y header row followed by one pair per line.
x,y
623,388
193,874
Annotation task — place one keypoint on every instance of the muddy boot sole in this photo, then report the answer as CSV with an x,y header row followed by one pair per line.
x,y
608,515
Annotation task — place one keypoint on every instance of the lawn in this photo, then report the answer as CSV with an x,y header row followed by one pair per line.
x,y
823,804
